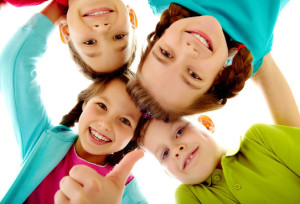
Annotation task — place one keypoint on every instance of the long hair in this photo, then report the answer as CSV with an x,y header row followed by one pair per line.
x,y
93,89
227,84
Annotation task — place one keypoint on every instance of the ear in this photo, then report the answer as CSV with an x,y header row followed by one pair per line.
x,y
207,122
64,30
132,16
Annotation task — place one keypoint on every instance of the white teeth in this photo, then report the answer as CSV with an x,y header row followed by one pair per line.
x,y
98,13
99,137
189,159
202,40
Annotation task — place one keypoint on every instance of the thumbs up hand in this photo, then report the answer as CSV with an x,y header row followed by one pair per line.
x,y
85,185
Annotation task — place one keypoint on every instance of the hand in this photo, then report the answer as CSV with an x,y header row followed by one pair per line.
x,y
85,185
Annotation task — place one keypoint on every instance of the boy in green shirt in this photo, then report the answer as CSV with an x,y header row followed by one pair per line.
x,y
265,168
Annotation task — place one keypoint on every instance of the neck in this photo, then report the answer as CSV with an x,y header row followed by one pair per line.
x,y
95,159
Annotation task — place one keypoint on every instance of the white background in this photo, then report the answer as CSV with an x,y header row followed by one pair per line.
x,y
61,82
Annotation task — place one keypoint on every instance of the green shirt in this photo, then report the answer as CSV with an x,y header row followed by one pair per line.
x,y
265,169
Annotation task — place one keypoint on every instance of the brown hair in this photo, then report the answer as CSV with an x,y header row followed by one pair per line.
x,y
89,72
95,88
227,83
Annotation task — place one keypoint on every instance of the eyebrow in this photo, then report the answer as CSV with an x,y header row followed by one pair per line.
x,y
188,83
158,58
122,48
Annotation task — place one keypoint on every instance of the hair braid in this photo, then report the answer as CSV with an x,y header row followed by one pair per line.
x,y
231,80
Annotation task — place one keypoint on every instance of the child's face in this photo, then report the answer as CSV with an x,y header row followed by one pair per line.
x,y
189,153
101,32
108,121
191,53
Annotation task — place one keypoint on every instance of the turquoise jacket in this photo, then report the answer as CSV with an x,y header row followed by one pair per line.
x,y
41,144
248,21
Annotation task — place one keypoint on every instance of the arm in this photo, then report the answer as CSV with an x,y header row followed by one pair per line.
x,y
18,83
84,185
54,11
277,93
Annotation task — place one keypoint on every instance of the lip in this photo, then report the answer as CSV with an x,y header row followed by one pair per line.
x,y
203,35
96,140
185,164
93,12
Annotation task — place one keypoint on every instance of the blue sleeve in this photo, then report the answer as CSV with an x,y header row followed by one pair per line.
x,y
132,194
18,83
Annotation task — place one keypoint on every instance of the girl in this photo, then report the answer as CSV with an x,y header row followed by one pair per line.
x,y
100,33
193,44
106,117
267,160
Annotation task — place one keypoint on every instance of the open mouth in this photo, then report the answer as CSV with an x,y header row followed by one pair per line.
x,y
98,137
202,37
189,158
98,12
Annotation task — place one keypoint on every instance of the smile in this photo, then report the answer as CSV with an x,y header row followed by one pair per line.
x,y
99,137
189,158
98,12
202,37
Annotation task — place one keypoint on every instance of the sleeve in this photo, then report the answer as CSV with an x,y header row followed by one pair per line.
x,y
133,194
283,141
184,195
21,3
18,83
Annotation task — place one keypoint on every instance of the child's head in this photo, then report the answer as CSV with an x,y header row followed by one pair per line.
x,y
107,118
185,149
183,70
100,34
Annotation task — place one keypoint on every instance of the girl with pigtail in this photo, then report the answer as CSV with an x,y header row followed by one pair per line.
x,y
61,161
202,53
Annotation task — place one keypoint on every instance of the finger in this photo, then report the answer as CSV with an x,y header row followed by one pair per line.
x,y
85,175
70,187
60,198
121,172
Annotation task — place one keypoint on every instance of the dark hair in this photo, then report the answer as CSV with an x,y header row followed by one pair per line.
x,y
89,72
96,87
227,83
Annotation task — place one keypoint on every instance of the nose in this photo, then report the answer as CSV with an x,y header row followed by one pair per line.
x,y
178,150
105,125
190,49
101,27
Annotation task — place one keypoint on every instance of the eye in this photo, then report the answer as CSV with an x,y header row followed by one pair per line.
x,y
193,74
119,37
125,121
165,154
103,106
89,42
179,132
165,53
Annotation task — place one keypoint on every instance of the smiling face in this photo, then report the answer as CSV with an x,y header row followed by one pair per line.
x,y
184,62
188,153
107,122
101,32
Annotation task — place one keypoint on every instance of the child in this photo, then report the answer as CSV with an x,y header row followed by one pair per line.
x,y
106,117
195,52
268,159
100,34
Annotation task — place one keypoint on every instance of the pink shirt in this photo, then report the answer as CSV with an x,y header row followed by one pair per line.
x,y
46,190
20,3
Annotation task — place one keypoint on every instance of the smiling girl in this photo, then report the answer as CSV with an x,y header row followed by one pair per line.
x,y
199,56
105,114
100,33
